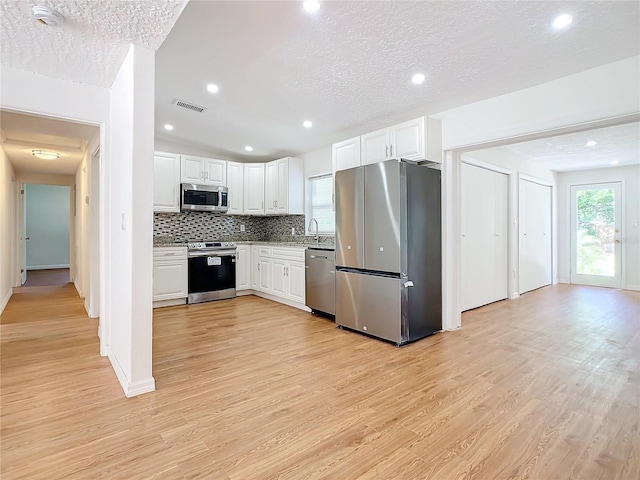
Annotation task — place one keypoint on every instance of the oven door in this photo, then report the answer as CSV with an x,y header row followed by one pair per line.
x,y
212,276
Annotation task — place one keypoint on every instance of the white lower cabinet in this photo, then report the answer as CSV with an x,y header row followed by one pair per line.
x,y
243,267
279,273
170,280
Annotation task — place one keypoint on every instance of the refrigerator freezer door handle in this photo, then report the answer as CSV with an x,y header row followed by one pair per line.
x,y
408,284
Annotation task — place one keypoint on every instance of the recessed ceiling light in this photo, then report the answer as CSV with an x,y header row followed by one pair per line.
x,y
44,155
591,143
249,148
562,21
307,124
168,127
212,88
418,78
311,6
47,16
615,162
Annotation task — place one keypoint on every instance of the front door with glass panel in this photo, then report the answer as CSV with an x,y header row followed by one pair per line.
x,y
595,234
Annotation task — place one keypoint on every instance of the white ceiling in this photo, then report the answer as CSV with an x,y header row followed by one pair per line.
x,y
563,153
91,44
348,67
20,134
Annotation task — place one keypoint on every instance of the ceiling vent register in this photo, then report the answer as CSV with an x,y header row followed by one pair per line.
x,y
188,106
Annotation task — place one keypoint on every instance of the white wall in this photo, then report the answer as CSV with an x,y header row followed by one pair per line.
x,y
630,175
47,218
317,162
7,228
603,92
129,220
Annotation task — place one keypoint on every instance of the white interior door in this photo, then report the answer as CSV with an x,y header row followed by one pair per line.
x,y
22,228
535,235
484,200
596,224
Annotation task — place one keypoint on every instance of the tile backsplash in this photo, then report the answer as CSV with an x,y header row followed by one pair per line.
x,y
196,226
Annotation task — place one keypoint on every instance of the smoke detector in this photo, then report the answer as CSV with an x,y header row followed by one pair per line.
x,y
47,16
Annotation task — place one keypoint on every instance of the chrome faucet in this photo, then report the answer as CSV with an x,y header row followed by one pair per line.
x,y
316,237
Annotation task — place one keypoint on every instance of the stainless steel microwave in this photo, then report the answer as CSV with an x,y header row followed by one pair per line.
x,y
203,198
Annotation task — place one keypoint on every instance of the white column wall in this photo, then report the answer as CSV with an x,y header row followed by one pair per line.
x,y
129,220
7,228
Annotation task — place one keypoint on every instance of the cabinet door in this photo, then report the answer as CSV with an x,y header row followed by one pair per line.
x,y
296,281
374,147
215,172
278,275
264,267
282,195
169,280
271,187
243,267
191,169
254,188
407,140
255,268
235,184
166,182
346,154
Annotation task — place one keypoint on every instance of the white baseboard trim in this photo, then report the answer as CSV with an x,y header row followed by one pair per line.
x,y
5,300
563,280
131,389
514,295
286,301
635,288
47,267
78,289
169,303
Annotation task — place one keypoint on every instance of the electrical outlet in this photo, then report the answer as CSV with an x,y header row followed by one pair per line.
x,y
293,230
242,227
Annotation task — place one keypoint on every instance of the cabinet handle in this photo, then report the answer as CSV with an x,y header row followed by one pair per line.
x,y
262,204
391,151
386,151
258,267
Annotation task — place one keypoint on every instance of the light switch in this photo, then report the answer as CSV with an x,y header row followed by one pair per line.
x,y
348,247
382,249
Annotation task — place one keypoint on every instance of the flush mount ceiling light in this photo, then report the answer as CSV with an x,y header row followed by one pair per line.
x,y
562,21
311,6
615,162
249,148
591,143
307,124
212,88
47,16
44,155
168,127
418,78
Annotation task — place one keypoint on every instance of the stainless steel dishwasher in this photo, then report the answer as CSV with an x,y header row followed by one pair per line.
x,y
320,287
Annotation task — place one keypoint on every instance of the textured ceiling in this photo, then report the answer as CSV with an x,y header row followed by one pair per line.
x,y
348,67
23,133
620,143
91,44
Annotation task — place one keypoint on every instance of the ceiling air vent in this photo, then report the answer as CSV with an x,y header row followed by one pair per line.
x,y
188,106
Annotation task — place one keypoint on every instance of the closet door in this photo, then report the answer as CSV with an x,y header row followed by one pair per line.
x,y
484,200
535,235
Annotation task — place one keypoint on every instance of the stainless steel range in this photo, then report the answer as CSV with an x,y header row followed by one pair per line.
x,y
212,271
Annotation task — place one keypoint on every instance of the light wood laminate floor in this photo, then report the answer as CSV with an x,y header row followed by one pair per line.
x,y
544,387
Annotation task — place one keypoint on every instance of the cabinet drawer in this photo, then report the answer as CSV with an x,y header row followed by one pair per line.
x,y
265,251
169,253
289,253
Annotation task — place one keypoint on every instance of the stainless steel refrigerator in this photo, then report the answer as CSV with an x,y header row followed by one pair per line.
x,y
388,250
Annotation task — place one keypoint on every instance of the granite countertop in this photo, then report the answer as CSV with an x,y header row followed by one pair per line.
x,y
321,246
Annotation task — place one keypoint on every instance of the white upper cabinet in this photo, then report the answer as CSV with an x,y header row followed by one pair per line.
x,y
375,147
418,139
235,184
254,188
346,154
203,171
166,182
284,186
